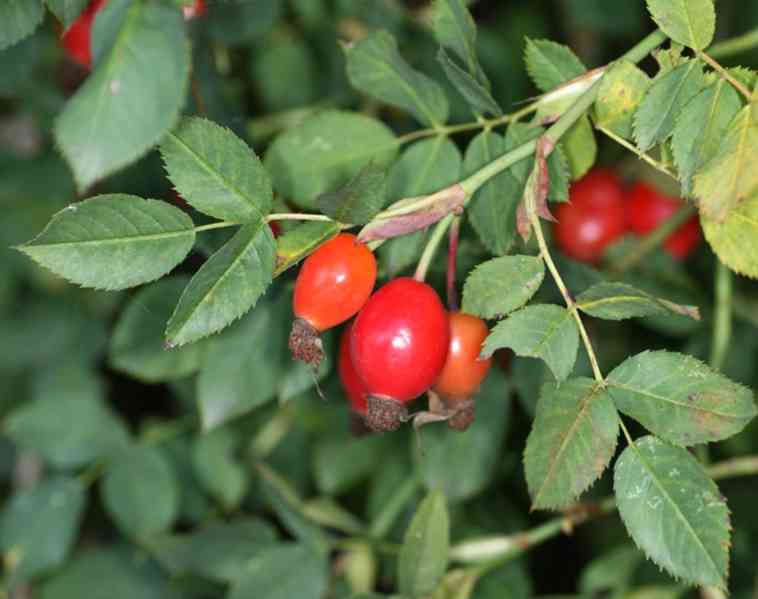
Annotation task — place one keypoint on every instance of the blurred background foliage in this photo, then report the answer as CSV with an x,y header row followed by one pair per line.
x,y
83,374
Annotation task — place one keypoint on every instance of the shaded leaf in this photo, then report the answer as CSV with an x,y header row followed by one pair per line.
x,y
123,109
619,95
38,527
297,243
730,177
113,241
424,555
669,93
701,128
226,286
66,11
19,19
217,469
359,200
324,152
735,241
375,67
689,22
539,331
477,95
424,167
679,398
572,441
673,511
216,172
617,301
580,148
501,285
550,64
340,463
140,492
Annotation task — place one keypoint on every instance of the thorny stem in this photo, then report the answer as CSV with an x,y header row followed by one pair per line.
x,y
725,74
736,45
722,319
431,247
452,255
639,153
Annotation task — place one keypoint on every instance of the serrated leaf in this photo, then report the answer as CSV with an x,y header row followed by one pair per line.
x,y
359,200
137,346
243,365
66,11
299,242
558,174
679,398
572,441
735,241
673,511
689,22
617,301
270,574
140,492
424,555
476,95
325,151
701,128
540,331
67,421
550,64
216,469
501,285
113,241
619,96
38,527
730,177
19,19
219,551
580,148
123,109
216,172
669,93
455,29
226,286
375,67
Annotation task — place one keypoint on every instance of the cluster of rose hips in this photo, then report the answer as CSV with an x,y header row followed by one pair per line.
x,y
401,344
77,38
601,210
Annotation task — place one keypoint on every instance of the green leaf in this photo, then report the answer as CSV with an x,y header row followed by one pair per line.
x,y
243,366
217,469
137,344
580,148
735,241
572,441
375,67
424,555
673,511
271,575
621,90
219,551
669,93
226,286
67,11
730,177
19,19
113,241
463,464
424,167
216,172
618,301
501,285
689,22
550,64
299,242
38,527
539,331
455,30
67,421
140,492
477,95
123,108
324,152
291,54
701,127
121,574
340,463
359,200
679,398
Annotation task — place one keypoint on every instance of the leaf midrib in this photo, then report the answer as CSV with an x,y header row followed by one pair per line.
x,y
110,241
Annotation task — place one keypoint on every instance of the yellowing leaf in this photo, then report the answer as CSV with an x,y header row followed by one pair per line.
x,y
735,241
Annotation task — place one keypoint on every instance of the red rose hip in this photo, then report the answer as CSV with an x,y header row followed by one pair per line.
x,y
593,218
333,284
195,10
647,208
399,344
77,39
